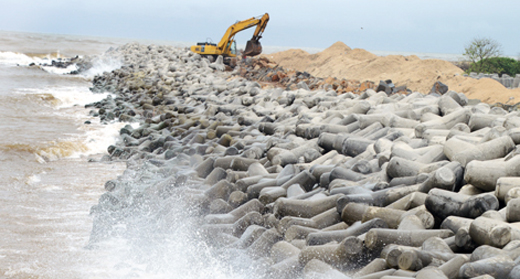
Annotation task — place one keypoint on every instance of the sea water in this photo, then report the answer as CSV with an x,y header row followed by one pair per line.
x,y
51,176
47,185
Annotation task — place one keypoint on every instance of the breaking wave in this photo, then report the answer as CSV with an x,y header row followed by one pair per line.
x,y
102,63
160,236
64,96
49,151
15,58
86,67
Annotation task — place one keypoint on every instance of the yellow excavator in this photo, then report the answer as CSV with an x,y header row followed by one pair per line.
x,y
227,46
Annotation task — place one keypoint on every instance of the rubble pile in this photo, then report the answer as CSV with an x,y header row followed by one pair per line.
x,y
268,73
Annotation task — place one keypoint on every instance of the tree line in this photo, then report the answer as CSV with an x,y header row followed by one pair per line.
x,y
485,56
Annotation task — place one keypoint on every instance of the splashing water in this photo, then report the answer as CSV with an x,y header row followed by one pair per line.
x,y
158,232
45,202
97,64
15,58
102,63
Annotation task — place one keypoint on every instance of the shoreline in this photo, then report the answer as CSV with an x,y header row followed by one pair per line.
x,y
278,173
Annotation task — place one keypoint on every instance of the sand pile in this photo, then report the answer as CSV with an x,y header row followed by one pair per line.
x,y
341,61
485,89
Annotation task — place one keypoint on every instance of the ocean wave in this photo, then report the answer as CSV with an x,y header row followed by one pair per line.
x,y
63,97
99,137
86,67
66,102
33,179
102,63
72,68
94,140
54,63
49,151
15,58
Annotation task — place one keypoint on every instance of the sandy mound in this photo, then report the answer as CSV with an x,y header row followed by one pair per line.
x,y
290,57
487,90
341,61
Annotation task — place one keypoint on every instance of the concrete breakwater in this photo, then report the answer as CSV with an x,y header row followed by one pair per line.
x,y
506,80
312,183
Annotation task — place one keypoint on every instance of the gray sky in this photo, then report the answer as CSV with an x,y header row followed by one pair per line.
x,y
404,25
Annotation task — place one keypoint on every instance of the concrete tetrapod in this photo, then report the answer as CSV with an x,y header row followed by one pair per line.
x,y
348,253
464,152
320,221
378,238
237,213
460,115
442,203
304,208
356,229
376,265
316,269
433,249
490,232
485,174
504,184
497,267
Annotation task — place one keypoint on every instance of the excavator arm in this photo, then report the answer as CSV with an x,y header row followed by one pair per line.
x,y
253,46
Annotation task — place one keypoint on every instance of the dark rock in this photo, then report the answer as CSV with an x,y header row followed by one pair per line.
x,y
386,86
439,88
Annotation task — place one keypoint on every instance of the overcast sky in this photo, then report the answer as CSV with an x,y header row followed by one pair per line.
x,y
404,25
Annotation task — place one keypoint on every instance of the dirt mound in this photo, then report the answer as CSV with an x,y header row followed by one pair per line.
x,y
487,90
342,62
290,57
360,54
271,75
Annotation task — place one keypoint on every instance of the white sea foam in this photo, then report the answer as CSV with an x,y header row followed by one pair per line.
x,y
60,71
94,140
14,58
71,96
102,63
33,179
162,239
99,137
105,62
66,96
69,102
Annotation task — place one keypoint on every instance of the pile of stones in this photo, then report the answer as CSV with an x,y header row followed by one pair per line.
x,y
269,73
80,64
314,183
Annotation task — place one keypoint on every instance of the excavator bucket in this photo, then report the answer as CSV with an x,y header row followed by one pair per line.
x,y
253,47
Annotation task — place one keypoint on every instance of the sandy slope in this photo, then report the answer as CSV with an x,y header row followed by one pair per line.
x,y
341,61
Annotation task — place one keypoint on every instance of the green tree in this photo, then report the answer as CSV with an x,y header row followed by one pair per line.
x,y
498,65
480,49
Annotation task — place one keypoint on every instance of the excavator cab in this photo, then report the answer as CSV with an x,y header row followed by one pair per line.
x,y
233,48
253,47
